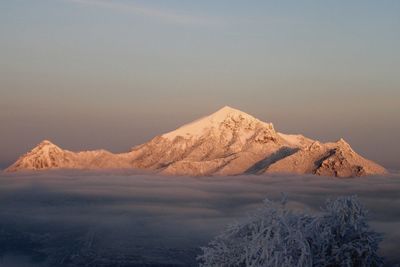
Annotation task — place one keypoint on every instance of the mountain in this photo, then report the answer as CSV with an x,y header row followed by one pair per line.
x,y
47,155
227,142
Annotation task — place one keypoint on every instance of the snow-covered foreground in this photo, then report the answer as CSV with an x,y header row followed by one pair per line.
x,y
100,219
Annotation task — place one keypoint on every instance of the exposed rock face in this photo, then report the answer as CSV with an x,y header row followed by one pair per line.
x,y
330,159
228,142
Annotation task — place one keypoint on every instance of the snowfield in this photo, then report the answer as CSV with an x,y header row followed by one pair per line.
x,y
129,219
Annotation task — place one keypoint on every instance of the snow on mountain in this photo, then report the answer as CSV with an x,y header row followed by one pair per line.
x,y
227,142
212,123
329,159
47,155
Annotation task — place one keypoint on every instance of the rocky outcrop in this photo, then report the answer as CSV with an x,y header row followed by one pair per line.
x,y
330,159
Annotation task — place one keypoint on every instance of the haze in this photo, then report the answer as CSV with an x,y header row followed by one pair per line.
x,y
92,74
100,219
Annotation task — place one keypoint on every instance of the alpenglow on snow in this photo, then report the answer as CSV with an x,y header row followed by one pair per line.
x,y
227,142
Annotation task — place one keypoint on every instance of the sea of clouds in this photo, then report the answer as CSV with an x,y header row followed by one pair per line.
x,y
71,218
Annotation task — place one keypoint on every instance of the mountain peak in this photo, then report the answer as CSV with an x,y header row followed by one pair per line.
x,y
342,141
228,109
44,156
46,143
229,112
224,116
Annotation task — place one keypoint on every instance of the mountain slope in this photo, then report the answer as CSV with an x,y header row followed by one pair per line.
x,y
330,159
46,155
227,142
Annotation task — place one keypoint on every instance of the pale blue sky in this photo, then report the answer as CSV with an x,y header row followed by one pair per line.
x,y
96,73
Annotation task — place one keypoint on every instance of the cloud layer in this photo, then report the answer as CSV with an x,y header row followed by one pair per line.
x,y
71,218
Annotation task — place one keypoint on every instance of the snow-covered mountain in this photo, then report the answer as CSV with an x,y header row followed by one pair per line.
x,y
47,155
227,142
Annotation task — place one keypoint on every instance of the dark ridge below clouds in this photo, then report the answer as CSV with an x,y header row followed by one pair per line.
x,y
61,218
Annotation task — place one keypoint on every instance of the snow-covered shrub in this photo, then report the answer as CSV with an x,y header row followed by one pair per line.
x,y
276,236
342,237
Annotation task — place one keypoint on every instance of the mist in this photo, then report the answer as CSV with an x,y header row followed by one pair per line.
x,y
63,218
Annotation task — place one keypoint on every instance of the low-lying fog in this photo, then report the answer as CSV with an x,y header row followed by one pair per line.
x,y
100,219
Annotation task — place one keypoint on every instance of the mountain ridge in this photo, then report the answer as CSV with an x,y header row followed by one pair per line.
x,y
227,142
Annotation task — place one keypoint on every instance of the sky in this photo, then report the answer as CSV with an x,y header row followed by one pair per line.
x,y
112,74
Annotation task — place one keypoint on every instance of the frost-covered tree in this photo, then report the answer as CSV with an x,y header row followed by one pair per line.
x,y
342,236
276,236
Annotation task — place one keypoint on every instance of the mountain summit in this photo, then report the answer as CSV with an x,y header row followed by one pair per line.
x,y
227,142
225,115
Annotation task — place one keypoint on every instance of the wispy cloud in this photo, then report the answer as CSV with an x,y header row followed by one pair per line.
x,y
151,12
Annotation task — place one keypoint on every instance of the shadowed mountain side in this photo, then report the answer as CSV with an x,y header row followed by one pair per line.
x,y
263,165
227,142
330,159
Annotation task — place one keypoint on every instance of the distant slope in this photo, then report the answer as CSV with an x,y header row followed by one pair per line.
x,y
227,142
47,155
